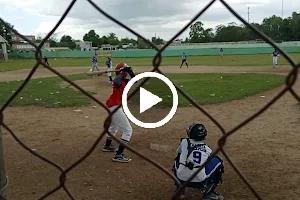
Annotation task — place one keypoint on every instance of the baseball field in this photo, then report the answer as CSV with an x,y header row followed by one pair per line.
x,y
57,121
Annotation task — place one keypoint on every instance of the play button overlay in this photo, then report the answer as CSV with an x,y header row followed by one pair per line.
x,y
147,100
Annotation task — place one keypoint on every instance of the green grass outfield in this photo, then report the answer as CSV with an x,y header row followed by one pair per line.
x,y
213,88
45,92
204,88
227,60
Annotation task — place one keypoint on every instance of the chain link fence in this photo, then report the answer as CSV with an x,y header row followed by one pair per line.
x,y
290,80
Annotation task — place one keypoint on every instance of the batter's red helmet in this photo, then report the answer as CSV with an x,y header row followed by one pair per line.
x,y
120,66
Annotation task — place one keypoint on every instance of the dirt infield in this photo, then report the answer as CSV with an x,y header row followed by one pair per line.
x,y
266,150
42,72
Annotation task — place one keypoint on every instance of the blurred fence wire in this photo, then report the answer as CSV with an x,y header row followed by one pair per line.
x,y
290,80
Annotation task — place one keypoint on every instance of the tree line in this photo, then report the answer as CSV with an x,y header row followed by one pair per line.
x,y
286,29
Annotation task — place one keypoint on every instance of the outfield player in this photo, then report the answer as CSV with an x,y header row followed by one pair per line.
x,y
191,154
95,63
275,55
221,51
183,60
46,61
109,68
119,119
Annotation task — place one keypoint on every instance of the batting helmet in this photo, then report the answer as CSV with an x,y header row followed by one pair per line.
x,y
196,131
120,66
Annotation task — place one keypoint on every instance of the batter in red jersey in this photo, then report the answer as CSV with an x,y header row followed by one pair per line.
x,y
119,119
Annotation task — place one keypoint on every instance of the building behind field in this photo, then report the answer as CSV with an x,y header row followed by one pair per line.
x,y
19,44
85,45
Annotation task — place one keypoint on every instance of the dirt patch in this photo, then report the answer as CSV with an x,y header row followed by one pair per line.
x,y
42,72
266,151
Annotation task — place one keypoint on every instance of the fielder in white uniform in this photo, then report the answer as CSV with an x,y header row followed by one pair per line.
x,y
275,55
191,154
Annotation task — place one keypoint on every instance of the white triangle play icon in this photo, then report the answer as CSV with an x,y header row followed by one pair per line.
x,y
147,100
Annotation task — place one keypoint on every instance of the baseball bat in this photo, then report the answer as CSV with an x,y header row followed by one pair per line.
x,y
97,73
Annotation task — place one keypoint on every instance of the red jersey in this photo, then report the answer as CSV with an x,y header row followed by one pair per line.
x,y
116,96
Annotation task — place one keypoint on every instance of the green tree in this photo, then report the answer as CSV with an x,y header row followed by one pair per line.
x,y
196,32
127,41
287,29
39,37
105,40
230,33
272,27
157,40
142,44
93,37
199,34
186,40
67,41
113,39
110,38
295,26
6,33
53,41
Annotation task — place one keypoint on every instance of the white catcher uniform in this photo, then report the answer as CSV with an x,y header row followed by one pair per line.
x,y
199,153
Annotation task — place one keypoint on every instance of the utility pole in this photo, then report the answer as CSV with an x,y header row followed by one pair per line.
x,y
3,177
248,15
282,9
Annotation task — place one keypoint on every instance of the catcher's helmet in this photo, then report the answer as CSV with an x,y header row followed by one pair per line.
x,y
120,66
196,131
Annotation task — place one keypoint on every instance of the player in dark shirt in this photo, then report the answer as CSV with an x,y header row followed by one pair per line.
x,y
275,55
221,52
46,61
183,60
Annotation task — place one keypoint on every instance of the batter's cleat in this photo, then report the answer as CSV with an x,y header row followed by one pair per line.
x,y
108,149
213,196
121,158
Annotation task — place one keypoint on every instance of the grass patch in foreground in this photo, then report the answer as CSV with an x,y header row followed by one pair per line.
x,y
213,88
45,92
227,60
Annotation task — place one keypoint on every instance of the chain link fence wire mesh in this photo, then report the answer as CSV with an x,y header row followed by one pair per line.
x,y
290,81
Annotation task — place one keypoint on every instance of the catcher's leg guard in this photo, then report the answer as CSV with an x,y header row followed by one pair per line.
x,y
214,170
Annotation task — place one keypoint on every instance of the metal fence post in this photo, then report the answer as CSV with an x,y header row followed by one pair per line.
x,y
3,177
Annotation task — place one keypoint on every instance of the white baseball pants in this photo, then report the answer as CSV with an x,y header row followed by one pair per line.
x,y
109,72
275,59
120,121
95,66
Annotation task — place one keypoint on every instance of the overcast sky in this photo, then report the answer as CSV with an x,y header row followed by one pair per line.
x,y
163,17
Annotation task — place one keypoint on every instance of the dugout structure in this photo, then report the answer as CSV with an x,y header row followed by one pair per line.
x,y
3,50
